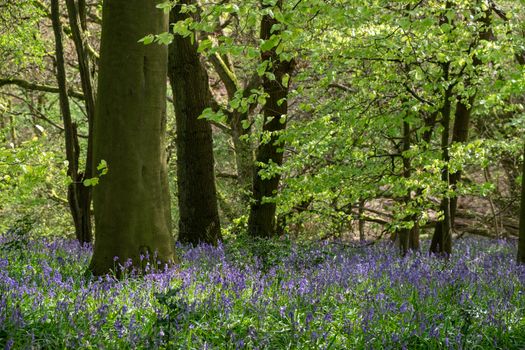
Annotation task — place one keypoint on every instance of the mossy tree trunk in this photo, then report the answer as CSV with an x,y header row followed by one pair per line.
x,y
132,205
244,158
199,215
262,221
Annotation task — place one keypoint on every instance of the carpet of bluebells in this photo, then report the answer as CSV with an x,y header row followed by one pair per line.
x,y
265,295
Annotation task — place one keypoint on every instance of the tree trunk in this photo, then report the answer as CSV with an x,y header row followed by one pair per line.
x,y
460,133
442,238
244,159
199,215
521,244
131,202
243,153
76,14
12,131
408,237
361,221
261,221
80,209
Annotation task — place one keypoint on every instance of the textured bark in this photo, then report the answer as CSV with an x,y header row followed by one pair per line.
x,y
76,194
199,216
131,202
261,221
521,243
413,239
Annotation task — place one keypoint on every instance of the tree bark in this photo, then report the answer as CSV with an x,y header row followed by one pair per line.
x,y
79,207
442,238
75,14
261,221
131,202
199,215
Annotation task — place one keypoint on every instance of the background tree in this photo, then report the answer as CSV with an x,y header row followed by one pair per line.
x,y
198,212
78,195
276,80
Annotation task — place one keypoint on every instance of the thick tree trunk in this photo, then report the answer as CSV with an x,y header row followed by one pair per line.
x,y
131,202
199,216
77,192
261,221
521,244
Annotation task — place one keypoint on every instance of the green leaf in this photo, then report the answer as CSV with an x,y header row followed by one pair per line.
x,y
269,44
209,114
204,45
91,182
261,68
165,38
165,6
285,80
148,39
102,167
245,123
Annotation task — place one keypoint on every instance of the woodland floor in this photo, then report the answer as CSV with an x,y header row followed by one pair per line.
x,y
265,295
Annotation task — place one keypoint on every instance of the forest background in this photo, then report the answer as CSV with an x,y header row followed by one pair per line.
x,y
339,119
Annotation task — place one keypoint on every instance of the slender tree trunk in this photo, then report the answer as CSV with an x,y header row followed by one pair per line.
x,y
243,152
75,188
12,131
361,220
408,237
521,243
2,124
442,238
199,215
131,202
244,155
78,26
244,159
261,221
460,133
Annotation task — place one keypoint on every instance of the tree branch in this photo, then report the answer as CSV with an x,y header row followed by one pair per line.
x,y
37,87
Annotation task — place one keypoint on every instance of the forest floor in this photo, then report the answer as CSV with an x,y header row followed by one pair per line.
x,y
265,295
